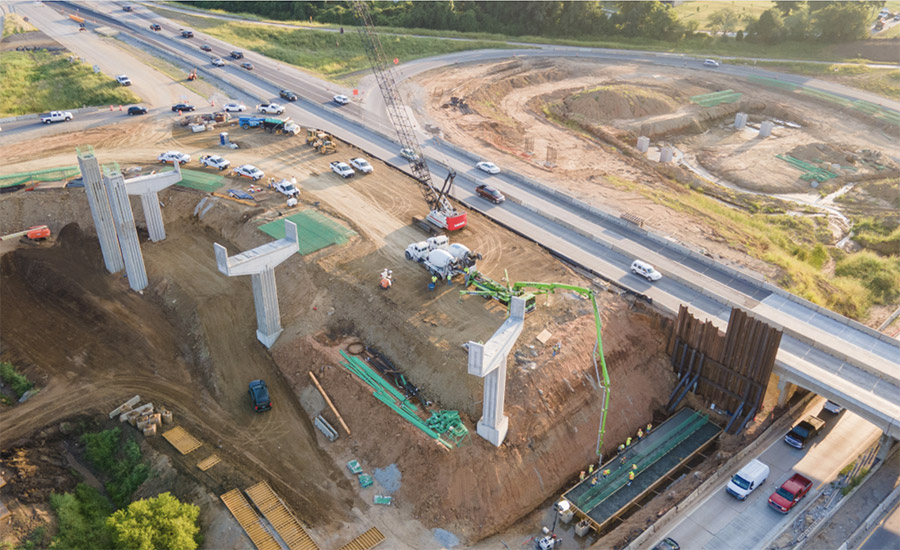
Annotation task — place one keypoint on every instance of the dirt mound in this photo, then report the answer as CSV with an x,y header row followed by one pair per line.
x,y
619,101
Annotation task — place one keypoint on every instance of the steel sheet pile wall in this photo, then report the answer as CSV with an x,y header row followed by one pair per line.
x,y
730,370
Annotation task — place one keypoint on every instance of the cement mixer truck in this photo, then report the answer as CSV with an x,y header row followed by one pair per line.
x,y
442,259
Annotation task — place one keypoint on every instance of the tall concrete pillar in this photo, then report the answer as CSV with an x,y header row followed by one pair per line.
x,y
785,390
740,121
148,187
98,201
129,242
765,129
885,445
643,144
488,361
665,154
260,264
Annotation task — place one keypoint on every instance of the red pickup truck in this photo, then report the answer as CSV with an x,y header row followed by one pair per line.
x,y
790,493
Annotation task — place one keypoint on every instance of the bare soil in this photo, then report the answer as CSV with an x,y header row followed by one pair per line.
x,y
188,341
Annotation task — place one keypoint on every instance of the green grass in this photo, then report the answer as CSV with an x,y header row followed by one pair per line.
x,y
884,82
13,24
14,380
35,82
701,10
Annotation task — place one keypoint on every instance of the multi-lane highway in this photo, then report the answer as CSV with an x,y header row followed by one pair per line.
x,y
822,351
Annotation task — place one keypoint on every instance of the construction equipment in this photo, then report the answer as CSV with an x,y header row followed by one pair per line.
x,y
504,293
193,75
441,213
323,142
31,235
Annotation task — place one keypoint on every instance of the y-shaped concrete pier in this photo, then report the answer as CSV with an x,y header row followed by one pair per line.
x,y
489,362
260,264
98,201
148,187
129,243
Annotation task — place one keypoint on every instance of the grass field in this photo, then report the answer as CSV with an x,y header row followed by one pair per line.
x,y
701,10
884,82
13,24
35,82
327,54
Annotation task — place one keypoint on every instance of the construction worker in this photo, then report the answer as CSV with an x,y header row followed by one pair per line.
x,y
628,442
649,426
622,461
606,473
433,282
590,469
640,434
634,466
621,448
466,271
593,481
630,477
582,475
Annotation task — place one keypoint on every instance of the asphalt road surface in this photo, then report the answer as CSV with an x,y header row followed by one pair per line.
x,y
887,534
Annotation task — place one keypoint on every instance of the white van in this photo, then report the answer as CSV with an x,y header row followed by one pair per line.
x,y
747,479
645,270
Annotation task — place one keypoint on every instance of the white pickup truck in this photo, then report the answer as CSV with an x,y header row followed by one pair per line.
x,y
342,169
287,188
56,116
214,161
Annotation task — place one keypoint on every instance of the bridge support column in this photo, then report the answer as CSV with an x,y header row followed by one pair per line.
x,y
101,210
129,243
885,445
148,187
785,391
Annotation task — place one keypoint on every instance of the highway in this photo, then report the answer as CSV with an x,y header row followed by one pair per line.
x,y
887,534
821,351
721,522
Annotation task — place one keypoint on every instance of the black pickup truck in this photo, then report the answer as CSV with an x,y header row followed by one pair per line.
x,y
804,431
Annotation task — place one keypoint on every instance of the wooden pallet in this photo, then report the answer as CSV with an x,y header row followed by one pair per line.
x,y
281,518
369,539
249,521
181,440
208,462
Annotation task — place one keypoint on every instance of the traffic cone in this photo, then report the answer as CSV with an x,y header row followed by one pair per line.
x,y
179,112
120,108
110,107
212,103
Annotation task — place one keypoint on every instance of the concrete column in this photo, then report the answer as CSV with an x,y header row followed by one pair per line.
x,y
765,129
740,121
885,445
260,264
643,144
665,154
98,201
127,233
148,187
489,362
785,391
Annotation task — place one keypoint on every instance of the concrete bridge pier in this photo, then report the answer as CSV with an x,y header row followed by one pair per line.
x,y
488,361
148,187
129,242
785,391
260,264
101,211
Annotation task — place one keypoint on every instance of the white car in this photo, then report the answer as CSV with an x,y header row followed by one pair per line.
x,y
342,169
341,99
409,154
234,107
488,167
217,61
711,63
173,157
123,80
287,188
362,165
271,108
214,161
248,171
645,270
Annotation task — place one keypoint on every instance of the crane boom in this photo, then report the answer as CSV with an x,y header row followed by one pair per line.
x,y
442,212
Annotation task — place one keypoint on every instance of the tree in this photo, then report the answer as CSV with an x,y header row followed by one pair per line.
x,y
786,7
725,20
842,21
160,523
648,19
769,28
798,25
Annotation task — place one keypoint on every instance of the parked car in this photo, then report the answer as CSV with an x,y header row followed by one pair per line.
x,y
238,194
645,270
214,161
790,493
137,110
832,407
123,80
341,99
667,543
804,431
748,478
287,188
271,108
217,61
259,396
362,165
488,167
409,154
234,107
490,194
247,65
342,169
288,95
171,157
155,27
248,171
237,54
182,107
77,182
710,63
206,48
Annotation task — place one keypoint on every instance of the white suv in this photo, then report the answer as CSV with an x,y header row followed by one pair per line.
x,y
645,270
248,171
711,63
214,161
123,80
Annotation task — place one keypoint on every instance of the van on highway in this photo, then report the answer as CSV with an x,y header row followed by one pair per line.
x,y
747,479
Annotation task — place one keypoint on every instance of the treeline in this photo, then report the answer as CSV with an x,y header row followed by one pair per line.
x,y
827,21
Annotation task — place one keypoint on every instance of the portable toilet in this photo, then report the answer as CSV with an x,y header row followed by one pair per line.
x,y
223,138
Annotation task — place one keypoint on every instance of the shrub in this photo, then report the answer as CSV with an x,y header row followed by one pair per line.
x,y
16,381
82,519
161,523
122,463
101,449
881,276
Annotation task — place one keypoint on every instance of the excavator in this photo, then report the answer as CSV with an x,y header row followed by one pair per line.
x,y
442,213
